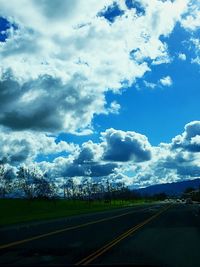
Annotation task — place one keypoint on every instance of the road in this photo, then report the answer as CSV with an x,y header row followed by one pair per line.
x,y
147,235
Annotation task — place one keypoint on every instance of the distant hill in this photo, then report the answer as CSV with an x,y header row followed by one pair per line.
x,y
170,189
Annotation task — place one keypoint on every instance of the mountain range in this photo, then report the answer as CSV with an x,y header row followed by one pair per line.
x,y
171,189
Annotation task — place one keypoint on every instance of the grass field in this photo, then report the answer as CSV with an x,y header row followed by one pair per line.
x,y
20,210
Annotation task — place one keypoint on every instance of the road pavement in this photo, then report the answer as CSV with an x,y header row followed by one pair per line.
x,y
147,235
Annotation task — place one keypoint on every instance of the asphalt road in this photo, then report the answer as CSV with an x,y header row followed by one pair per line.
x,y
147,235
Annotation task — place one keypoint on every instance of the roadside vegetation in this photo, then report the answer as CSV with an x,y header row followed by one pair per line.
x,y
192,193
21,210
29,195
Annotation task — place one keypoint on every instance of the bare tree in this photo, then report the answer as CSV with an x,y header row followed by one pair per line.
x,y
69,188
5,181
45,189
25,182
35,184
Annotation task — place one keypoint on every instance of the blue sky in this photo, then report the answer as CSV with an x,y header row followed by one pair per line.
x,y
109,90
160,113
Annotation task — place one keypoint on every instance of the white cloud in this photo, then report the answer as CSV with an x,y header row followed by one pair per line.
x,y
120,156
114,108
18,147
121,146
56,68
178,160
104,159
150,85
182,56
191,20
64,45
166,81
172,162
189,140
83,132
195,46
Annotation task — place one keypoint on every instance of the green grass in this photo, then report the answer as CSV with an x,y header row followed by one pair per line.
x,y
20,210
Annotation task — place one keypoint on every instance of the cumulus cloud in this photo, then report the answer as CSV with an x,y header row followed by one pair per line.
x,y
128,157
182,56
166,166
166,81
120,179
85,161
184,164
63,52
136,162
175,161
125,157
114,108
190,138
89,152
125,146
17,147
46,104
64,168
58,61
102,159
191,20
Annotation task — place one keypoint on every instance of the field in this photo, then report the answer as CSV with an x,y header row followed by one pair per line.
x,y
20,210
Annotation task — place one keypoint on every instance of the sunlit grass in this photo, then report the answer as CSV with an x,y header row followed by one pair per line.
x,y
20,210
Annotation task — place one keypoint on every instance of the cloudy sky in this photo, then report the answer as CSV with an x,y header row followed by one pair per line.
x,y
101,89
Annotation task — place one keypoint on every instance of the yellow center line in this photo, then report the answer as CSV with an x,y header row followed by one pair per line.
x,y
19,242
108,246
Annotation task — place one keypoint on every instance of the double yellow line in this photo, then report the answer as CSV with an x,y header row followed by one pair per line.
x,y
87,260
23,241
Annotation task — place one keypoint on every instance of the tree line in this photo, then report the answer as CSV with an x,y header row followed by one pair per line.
x,y
25,183
32,184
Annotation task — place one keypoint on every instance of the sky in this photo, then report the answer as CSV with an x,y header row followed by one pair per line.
x,y
101,89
